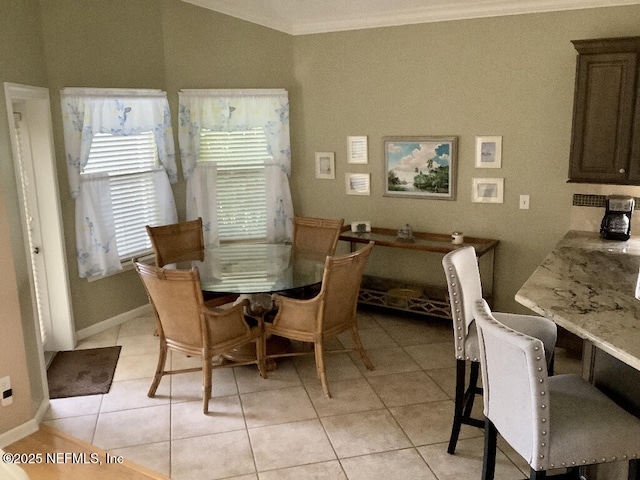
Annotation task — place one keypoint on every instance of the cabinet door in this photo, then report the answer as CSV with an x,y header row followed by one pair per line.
x,y
634,159
603,117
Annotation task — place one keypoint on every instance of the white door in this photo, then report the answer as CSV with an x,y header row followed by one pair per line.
x,y
24,164
29,114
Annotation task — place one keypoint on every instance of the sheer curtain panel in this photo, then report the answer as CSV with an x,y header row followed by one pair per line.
x,y
120,163
236,160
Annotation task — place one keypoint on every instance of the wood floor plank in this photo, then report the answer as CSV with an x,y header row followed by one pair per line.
x,y
66,457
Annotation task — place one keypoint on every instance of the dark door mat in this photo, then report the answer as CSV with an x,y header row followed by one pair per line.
x,y
77,373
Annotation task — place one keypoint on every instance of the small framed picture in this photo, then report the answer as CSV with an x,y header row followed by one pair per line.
x,y
357,150
488,152
358,183
488,190
325,165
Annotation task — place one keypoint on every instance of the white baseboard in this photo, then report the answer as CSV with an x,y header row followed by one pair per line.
x,y
42,410
27,428
113,322
18,433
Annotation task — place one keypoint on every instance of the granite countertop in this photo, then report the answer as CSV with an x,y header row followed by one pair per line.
x,y
589,286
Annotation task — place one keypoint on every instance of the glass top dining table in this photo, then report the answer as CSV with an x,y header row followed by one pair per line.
x,y
250,268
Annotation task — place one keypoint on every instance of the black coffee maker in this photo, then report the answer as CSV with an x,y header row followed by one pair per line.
x,y
616,223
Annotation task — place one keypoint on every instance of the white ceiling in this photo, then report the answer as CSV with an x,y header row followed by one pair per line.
x,y
299,17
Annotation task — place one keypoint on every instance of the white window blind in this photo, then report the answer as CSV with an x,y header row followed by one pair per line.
x,y
241,184
130,161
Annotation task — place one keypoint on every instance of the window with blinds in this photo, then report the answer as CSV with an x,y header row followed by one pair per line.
x,y
241,196
130,161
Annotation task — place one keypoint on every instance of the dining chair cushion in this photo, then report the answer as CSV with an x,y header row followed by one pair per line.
x,y
608,433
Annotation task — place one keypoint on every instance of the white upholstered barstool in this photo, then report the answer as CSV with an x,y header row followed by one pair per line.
x,y
552,422
465,288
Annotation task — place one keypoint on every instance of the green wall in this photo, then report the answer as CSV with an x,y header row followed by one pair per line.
x,y
98,44
205,49
21,61
164,44
495,76
510,76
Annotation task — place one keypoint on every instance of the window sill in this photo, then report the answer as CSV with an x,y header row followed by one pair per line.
x,y
127,265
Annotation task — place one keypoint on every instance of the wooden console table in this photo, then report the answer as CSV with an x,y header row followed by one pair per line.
x,y
430,300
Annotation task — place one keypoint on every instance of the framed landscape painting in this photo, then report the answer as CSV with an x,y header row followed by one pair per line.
x,y
420,167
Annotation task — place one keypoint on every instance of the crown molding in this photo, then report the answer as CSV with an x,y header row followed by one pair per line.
x,y
253,15
453,10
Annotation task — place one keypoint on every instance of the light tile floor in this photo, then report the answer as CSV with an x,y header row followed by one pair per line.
x,y
390,423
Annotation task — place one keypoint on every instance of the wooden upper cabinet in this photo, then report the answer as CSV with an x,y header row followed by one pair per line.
x,y
605,143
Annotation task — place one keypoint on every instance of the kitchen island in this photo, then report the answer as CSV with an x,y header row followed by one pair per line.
x,y
589,286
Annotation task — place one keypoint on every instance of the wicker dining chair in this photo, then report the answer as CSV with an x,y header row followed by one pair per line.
x,y
329,313
183,242
177,242
316,234
187,326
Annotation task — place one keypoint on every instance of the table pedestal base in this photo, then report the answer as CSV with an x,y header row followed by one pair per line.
x,y
247,352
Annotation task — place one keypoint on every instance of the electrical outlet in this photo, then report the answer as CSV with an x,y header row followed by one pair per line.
x,y
524,202
6,394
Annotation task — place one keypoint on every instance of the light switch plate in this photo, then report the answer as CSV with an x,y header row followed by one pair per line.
x,y
6,395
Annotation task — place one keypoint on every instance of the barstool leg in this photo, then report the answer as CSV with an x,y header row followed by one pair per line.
x,y
634,469
490,447
536,475
573,473
458,407
464,401
472,390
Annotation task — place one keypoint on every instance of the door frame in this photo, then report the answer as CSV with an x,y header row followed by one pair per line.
x,y
38,107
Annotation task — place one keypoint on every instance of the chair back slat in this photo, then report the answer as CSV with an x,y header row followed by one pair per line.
x,y
177,300
340,288
177,242
316,234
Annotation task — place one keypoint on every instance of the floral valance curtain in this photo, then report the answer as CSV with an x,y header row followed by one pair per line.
x,y
86,112
236,110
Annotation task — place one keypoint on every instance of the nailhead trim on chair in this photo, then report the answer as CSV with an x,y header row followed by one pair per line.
x,y
465,392
543,420
541,380
543,432
458,317
594,461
